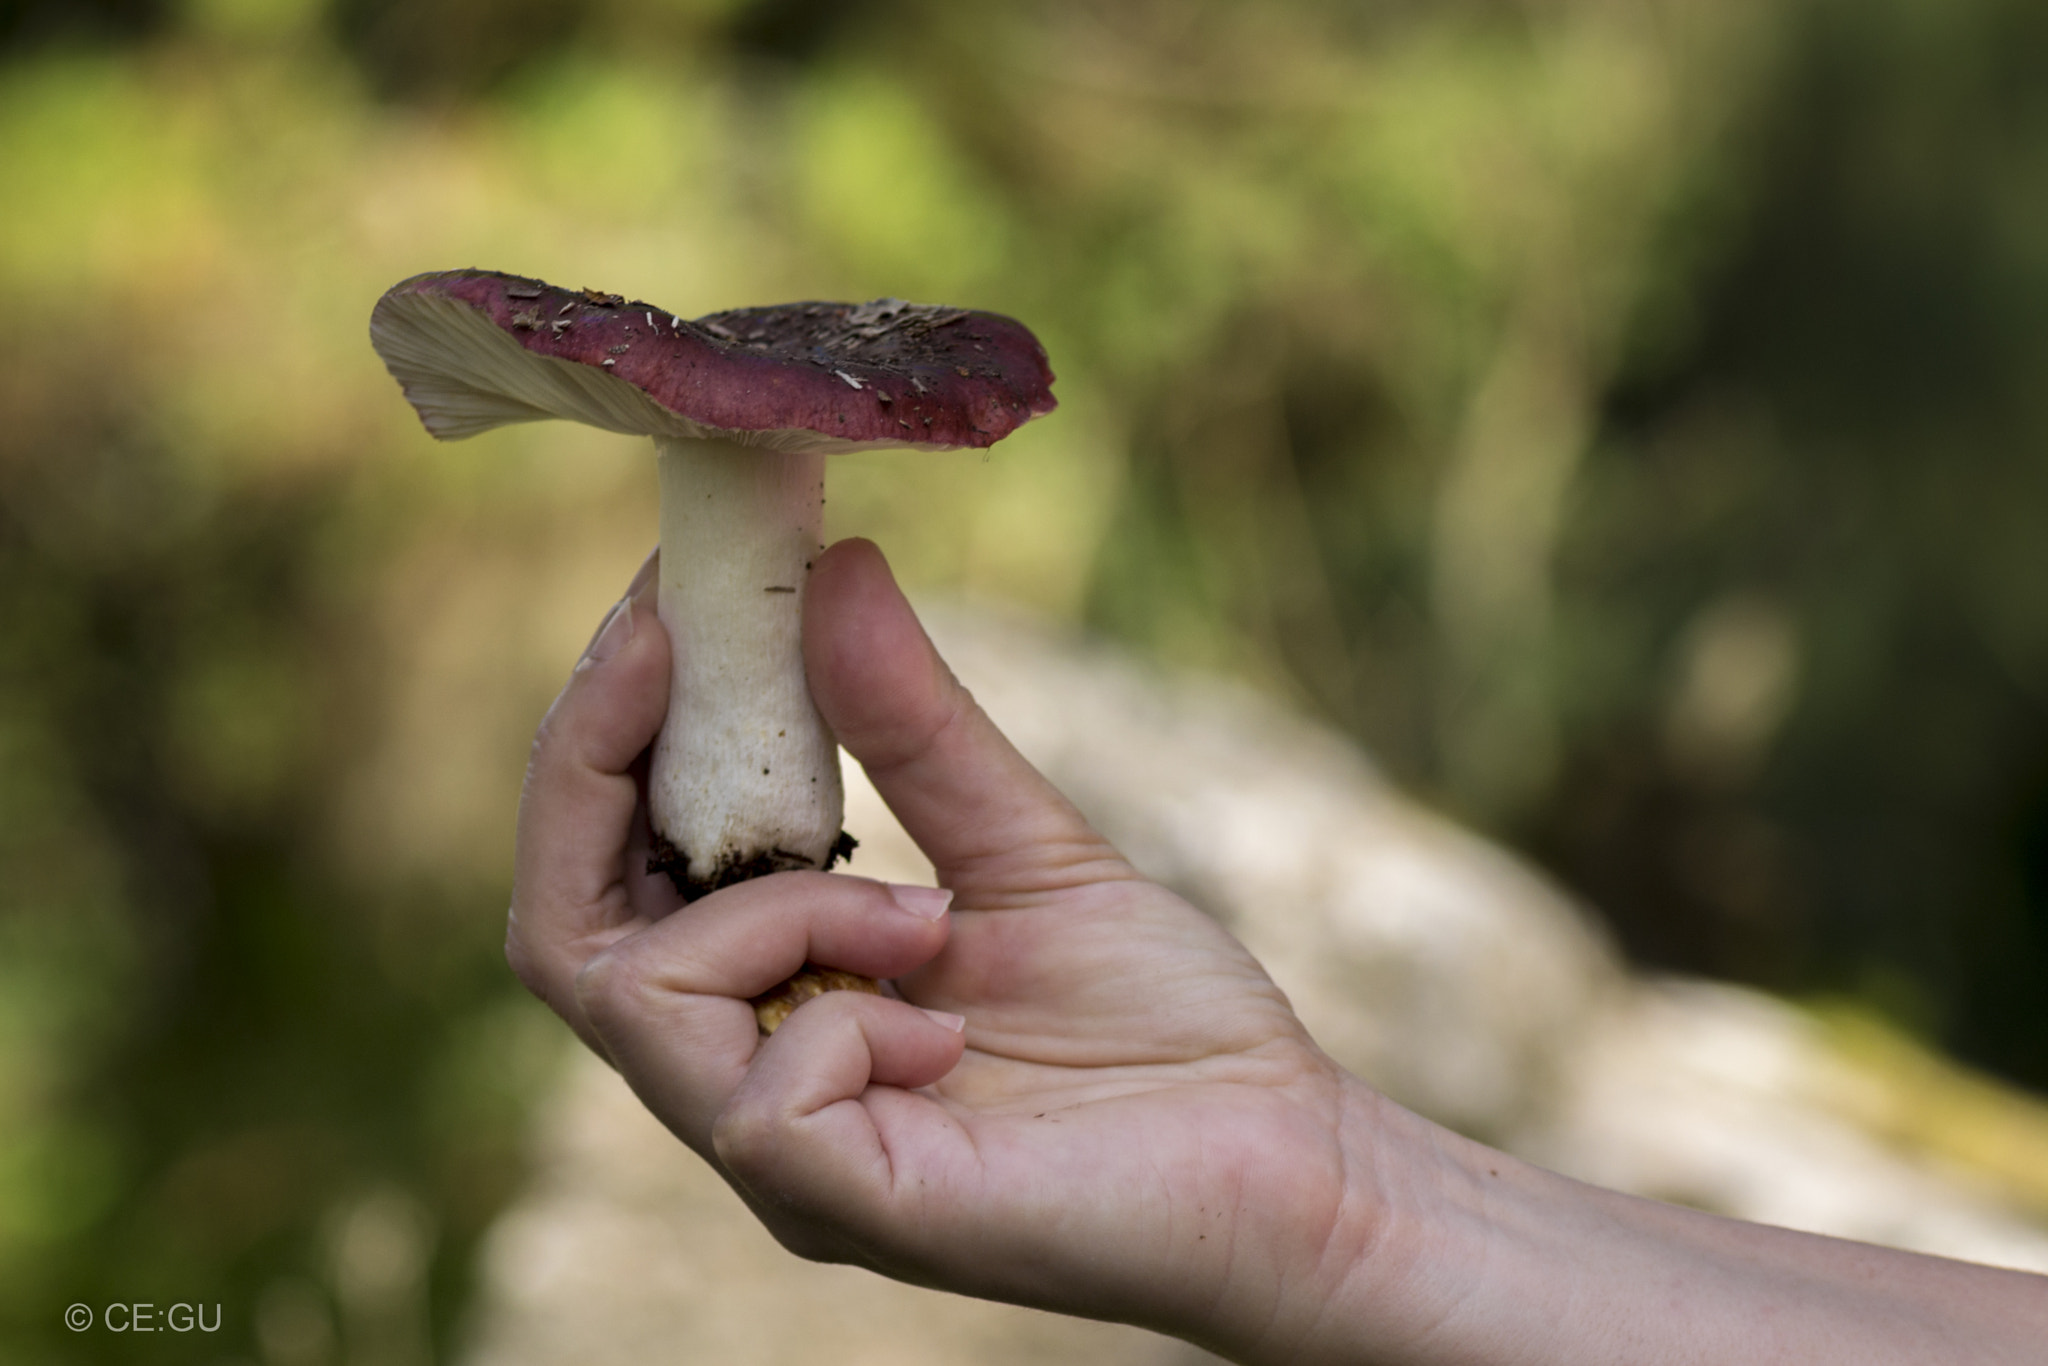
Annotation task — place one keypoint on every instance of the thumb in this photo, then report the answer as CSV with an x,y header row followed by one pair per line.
x,y
982,814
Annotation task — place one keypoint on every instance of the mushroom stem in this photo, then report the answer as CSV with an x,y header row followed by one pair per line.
x,y
745,775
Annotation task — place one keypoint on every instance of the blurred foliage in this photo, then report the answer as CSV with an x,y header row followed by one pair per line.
x,y
1623,418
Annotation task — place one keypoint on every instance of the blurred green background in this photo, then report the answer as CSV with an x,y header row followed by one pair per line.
x,y
1628,420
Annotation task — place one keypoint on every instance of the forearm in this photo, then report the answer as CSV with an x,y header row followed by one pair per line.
x,y
1478,1257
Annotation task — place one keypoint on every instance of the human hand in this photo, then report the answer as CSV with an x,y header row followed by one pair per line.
x,y
1113,1112
1133,1124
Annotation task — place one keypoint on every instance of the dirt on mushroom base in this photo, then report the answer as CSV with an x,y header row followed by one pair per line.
x,y
664,857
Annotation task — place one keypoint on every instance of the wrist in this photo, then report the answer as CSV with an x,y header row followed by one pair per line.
x,y
1396,1248
1421,1220
1445,1250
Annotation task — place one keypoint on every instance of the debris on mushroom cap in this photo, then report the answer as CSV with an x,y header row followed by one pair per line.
x,y
801,376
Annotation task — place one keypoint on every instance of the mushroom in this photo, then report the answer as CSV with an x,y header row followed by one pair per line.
x,y
743,407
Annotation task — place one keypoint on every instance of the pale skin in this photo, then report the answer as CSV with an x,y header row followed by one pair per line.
x,y
1130,1124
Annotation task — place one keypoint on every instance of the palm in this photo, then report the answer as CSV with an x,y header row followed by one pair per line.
x,y
1117,972
1120,1045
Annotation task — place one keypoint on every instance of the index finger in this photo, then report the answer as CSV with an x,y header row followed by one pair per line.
x,y
576,888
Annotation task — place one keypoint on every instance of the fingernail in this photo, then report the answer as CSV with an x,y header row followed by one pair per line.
x,y
926,903
617,631
645,576
956,1023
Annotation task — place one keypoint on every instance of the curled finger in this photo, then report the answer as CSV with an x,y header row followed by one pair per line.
x,y
671,1002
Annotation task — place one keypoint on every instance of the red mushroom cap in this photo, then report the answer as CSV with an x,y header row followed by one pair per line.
x,y
817,376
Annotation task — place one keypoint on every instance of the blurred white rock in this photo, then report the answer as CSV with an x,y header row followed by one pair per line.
x,y
1426,960
1726,1099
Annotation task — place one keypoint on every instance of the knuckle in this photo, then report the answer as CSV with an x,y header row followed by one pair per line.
x,y
810,1244
605,982
543,743
520,959
741,1137
623,981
